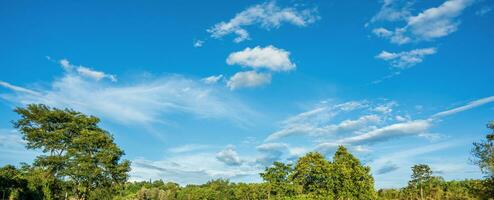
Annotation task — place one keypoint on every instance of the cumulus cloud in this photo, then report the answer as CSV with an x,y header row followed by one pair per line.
x,y
86,71
439,21
266,15
406,59
150,101
212,79
248,79
270,57
229,156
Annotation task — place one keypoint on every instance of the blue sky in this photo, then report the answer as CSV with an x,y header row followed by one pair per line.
x,y
209,89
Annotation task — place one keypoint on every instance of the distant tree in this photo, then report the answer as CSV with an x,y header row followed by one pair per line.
x,y
350,179
277,177
421,174
76,150
312,175
483,153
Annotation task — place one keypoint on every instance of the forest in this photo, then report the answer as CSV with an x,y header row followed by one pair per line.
x,y
80,160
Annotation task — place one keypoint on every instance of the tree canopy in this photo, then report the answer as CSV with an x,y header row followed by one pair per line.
x,y
77,153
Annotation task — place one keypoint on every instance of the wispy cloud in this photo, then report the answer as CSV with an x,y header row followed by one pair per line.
x,y
248,79
393,10
18,88
86,71
148,101
266,15
470,105
212,79
198,43
406,59
188,148
189,169
384,124
483,11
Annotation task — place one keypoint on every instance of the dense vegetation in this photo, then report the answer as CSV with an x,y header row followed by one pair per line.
x,y
81,161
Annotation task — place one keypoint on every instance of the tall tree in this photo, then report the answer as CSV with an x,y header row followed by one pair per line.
x,y
421,174
76,150
277,177
351,180
312,175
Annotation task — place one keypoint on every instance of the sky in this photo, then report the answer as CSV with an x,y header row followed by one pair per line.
x,y
194,91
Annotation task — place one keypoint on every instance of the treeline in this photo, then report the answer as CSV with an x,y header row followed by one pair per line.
x,y
423,185
81,161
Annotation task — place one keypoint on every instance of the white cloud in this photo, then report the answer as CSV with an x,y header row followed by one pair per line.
x,y
393,10
149,101
85,71
406,59
429,24
272,152
229,156
198,43
212,79
248,79
189,169
269,57
396,37
188,148
267,15
469,106
18,88
316,122
439,21
414,127
12,148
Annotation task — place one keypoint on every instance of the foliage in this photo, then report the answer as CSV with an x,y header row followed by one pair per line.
x,y
483,153
350,179
78,156
312,175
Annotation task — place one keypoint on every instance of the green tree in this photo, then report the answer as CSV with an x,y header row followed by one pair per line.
x,y
277,177
483,153
421,174
76,150
350,179
312,175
